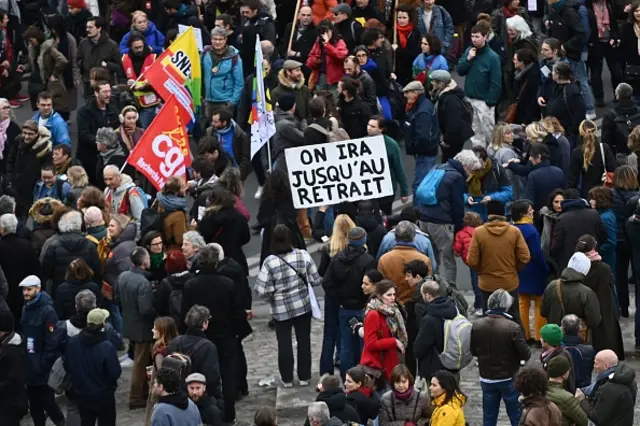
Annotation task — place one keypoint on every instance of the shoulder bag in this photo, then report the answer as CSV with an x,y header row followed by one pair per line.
x,y
512,110
584,330
607,177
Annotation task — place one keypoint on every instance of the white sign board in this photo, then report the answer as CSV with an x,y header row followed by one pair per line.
x,y
332,173
196,32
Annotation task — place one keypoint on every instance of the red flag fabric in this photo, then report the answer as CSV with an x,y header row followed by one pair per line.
x,y
163,150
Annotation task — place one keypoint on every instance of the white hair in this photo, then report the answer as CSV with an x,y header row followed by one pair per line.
x,y
111,168
194,238
318,411
468,159
518,23
70,222
500,300
9,223
219,248
5,101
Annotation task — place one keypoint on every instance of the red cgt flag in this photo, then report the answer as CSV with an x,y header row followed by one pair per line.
x,y
163,150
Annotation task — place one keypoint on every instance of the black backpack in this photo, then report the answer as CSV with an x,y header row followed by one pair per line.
x,y
624,124
175,303
181,361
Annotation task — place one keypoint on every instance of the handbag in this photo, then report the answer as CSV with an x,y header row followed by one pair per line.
x,y
607,177
584,329
512,110
632,72
59,380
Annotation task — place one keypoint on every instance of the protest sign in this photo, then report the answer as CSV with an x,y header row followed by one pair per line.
x,y
332,173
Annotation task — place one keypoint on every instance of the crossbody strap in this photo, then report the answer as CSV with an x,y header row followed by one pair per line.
x,y
604,161
300,275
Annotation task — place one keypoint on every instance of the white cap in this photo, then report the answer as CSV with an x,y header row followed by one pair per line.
x,y
580,263
30,281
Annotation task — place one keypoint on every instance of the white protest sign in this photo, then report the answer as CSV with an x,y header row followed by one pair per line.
x,y
196,32
332,173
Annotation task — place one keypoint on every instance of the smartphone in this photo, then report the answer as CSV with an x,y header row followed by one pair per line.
x,y
353,322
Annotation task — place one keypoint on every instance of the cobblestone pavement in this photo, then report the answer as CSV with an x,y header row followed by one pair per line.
x,y
261,351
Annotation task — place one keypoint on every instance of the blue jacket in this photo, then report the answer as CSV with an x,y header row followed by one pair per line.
x,y
38,322
58,128
58,191
495,185
421,242
175,410
533,278
152,37
607,249
226,84
441,25
422,133
92,362
543,179
450,196
421,61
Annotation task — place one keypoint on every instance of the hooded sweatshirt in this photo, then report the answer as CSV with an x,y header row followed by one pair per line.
x,y
175,410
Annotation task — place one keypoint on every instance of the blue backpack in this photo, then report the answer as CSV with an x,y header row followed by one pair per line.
x,y
426,193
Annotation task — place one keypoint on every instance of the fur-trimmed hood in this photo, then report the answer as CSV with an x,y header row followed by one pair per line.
x,y
39,218
286,82
42,145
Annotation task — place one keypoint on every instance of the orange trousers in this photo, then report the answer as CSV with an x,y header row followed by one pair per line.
x,y
538,321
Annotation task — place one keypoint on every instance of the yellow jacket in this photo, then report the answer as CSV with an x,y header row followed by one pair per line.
x,y
449,414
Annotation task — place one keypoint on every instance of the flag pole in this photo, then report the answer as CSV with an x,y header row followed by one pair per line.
x,y
293,26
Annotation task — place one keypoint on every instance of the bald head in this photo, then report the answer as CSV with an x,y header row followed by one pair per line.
x,y
605,360
305,16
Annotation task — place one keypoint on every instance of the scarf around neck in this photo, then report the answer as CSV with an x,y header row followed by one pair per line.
x,y
474,181
524,221
603,21
394,319
593,256
403,34
171,202
508,12
4,125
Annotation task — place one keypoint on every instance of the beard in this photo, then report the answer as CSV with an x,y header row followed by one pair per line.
x,y
196,397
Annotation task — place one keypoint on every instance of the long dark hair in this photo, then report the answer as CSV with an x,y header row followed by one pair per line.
x,y
276,188
449,384
325,25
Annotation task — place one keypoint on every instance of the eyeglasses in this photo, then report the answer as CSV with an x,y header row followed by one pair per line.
x,y
159,243
361,55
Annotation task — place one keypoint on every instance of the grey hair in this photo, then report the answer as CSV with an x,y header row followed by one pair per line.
x,y
85,301
468,159
318,411
139,255
194,238
9,223
7,204
107,137
405,231
624,91
209,256
268,48
197,316
500,300
12,116
570,325
70,222
430,287
113,169
219,248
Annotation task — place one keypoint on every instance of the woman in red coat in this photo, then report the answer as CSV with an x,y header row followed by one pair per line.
x,y
385,334
326,59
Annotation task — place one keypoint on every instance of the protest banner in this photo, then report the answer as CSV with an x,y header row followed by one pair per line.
x,y
335,172
163,149
263,125
197,32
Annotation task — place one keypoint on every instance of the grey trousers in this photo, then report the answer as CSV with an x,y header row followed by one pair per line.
x,y
441,236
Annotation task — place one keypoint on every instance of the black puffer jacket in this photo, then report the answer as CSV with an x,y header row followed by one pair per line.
x,y
65,296
68,247
499,344
568,106
454,119
344,277
354,116
624,205
375,232
336,400
430,339
243,294
623,108
616,408
162,295
566,26
13,364
366,404
230,229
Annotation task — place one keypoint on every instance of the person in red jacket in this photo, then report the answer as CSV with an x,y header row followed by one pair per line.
x,y
326,59
461,245
385,334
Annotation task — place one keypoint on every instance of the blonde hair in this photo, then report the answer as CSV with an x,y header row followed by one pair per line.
x,y
137,14
122,220
588,131
552,124
340,236
77,177
536,132
633,142
497,137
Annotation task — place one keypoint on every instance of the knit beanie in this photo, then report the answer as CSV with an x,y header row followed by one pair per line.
x,y
579,262
6,321
93,217
287,101
551,334
357,237
557,367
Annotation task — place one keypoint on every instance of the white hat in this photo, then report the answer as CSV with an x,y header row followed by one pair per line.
x,y
579,262
30,281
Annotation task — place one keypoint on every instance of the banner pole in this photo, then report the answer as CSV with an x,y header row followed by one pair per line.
x,y
293,25
395,36
269,153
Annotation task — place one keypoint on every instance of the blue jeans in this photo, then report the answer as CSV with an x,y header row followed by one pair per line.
x,y
116,318
492,394
579,70
477,303
329,219
351,343
423,166
330,336
146,116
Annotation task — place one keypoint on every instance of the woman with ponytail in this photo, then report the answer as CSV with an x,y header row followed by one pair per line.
x,y
589,162
607,334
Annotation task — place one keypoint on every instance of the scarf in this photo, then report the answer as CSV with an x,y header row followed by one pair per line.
x,y
588,391
393,317
4,125
62,168
118,150
524,221
403,34
171,202
593,256
602,17
156,260
508,12
128,136
404,396
474,181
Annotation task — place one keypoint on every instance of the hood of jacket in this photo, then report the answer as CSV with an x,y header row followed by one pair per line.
x,y
76,323
13,339
368,222
73,242
286,81
92,335
350,255
570,275
179,400
623,375
497,225
126,183
151,28
452,89
626,107
336,399
281,115
179,279
574,205
442,307
127,234
458,167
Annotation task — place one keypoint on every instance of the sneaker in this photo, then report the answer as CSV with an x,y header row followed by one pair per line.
x,y
22,98
478,313
258,193
127,363
286,385
303,382
591,115
15,104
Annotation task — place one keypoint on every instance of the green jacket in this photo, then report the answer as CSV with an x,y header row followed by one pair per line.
x,y
396,167
572,413
483,75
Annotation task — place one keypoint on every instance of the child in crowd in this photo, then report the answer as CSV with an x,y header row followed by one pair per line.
x,y
461,246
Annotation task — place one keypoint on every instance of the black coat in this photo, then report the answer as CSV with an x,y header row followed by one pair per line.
x,y
23,168
162,295
13,365
232,270
213,290
375,232
314,136
615,139
65,296
455,121
351,32
209,411
624,204
64,250
576,220
354,116
343,279
617,407
591,177
566,26
13,131
367,407
37,319
430,339
336,400
406,55
525,88
303,44
270,215
18,260
567,105
230,229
